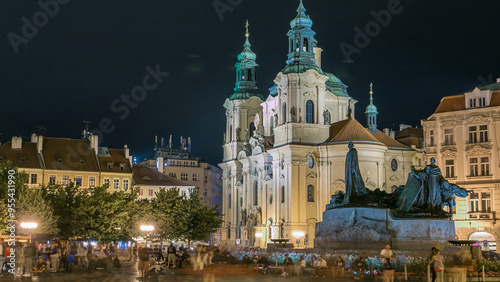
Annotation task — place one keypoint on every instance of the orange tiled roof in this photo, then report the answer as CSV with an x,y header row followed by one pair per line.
x,y
26,157
457,102
349,130
117,160
69,154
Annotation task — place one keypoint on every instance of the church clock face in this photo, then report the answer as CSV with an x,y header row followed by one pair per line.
x,y
310,162
394,165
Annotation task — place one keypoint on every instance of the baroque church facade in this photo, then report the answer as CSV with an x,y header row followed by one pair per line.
x,y
284,155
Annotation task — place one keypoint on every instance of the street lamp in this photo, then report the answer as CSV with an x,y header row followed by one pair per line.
x,y
298,234
259,235
29,226
147,229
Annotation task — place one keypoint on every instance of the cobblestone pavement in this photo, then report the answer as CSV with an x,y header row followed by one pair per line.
x,y
129,272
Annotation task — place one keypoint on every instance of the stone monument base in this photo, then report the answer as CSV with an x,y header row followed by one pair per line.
x,y
373,228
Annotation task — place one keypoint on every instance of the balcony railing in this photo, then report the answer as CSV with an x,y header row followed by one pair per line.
x,y
481,215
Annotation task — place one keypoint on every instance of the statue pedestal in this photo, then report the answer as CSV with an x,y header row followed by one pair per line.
x,y
373,228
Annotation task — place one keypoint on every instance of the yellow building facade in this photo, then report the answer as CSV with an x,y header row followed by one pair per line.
x,y
463,135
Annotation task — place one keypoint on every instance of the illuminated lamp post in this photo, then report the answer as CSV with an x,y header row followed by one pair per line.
x,y
298,234
147,229
29,226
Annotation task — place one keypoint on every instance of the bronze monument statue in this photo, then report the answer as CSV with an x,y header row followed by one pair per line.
x,y
425,193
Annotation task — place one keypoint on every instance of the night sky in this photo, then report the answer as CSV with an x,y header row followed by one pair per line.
x,y
89,53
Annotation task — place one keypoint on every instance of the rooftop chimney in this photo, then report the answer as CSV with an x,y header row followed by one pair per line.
x,y
17,142
94,143
39,143
34,138
386,131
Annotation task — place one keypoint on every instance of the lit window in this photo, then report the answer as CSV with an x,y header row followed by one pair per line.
x,y
485,166
448,136
150,193
472,134
33,178
486,202
480,202
141,192
116,183
125,184
474,168
474,202
65,179
450,168
106,181
91,181
52,179
483,133
78,180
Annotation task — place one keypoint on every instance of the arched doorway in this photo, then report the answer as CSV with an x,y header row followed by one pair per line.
x,y
486,240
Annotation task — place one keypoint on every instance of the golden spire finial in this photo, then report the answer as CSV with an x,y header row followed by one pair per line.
x,y
247,34
371,88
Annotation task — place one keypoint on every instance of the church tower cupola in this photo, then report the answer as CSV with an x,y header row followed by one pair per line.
x,y
246,72
301,39
371,113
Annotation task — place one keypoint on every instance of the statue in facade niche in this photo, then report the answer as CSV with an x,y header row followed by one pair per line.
x,y
292,113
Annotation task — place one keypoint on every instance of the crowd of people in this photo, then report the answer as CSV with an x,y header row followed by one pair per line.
x,y
34,257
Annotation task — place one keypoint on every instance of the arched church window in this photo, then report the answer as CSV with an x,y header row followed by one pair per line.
x,y
310,194
309,112
229,201
230,133
255,193
306,45
283,113
249,75
290,46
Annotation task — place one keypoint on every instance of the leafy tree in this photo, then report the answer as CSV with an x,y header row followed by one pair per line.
x,y
167,211
199,221
32,207
20,179
3,217
65,201
100,214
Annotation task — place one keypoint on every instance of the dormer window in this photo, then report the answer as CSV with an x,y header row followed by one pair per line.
x,y
478,98
122,166
59,158
110,166
23,158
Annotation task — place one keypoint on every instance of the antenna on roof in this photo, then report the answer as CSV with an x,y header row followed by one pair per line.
x,y
41,129
86,134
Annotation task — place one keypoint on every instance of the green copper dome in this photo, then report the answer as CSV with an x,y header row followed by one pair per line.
x,y
301,20
246,73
